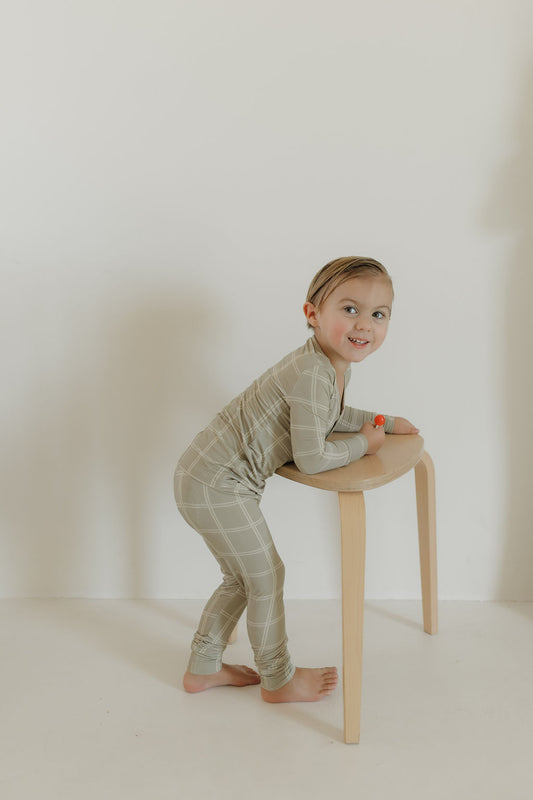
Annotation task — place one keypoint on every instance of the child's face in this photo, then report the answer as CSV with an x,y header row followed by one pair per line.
x,y
353,321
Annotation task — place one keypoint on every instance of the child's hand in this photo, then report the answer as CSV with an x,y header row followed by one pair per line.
x,y
402,425
375,437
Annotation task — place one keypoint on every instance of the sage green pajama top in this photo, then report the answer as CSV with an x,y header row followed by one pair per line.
x,y
284,415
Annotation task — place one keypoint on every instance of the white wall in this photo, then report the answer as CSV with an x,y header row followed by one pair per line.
x,y
172,175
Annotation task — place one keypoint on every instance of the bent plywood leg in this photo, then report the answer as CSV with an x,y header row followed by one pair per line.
x,y
427,538
353,537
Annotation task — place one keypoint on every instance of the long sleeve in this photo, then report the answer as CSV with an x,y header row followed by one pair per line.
x,y
353,419
312,405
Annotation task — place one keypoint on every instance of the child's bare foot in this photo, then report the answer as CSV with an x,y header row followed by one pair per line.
x,y
307,685
229,675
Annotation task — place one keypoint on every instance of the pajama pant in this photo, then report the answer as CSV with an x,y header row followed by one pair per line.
x,y
235,531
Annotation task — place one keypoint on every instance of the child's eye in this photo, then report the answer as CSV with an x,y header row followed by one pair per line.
x,y
350,310
379,315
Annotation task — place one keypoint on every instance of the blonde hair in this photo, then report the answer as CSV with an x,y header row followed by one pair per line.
x,y
336,272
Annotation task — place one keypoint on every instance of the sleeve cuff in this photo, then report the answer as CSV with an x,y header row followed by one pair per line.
x,y
357,445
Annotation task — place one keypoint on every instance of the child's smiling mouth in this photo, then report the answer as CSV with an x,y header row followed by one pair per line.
x,y
358,342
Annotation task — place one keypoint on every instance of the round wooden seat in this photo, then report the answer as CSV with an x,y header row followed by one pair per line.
x,y
398,455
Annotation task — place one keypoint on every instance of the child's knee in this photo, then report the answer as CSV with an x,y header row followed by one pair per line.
x,y
233,584
269,582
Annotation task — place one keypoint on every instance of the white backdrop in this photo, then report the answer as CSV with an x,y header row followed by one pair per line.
x,y
172,176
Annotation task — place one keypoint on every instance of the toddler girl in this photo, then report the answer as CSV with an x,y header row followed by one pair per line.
x,y
285,415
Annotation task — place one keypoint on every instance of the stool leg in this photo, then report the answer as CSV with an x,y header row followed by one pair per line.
x,y
427,539
353,539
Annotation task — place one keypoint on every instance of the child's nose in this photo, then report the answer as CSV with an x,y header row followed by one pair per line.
x,y
363,323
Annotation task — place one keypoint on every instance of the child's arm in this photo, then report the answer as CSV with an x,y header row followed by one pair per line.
x,y
310,402
402,425
353,419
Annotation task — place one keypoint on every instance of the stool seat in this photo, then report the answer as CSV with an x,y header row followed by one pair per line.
x,y
397,456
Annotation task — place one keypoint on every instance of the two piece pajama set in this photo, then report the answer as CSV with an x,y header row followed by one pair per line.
x,y
285,415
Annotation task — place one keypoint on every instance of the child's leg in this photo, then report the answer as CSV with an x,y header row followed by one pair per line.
x,y
237,535
219,617
263,573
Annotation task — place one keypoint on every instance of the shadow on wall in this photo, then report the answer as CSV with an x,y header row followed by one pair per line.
x,y
83,474
511,210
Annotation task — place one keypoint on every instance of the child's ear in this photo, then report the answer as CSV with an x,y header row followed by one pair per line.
x,y
310,312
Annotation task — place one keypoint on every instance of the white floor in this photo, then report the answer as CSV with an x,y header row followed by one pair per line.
x,y
92,707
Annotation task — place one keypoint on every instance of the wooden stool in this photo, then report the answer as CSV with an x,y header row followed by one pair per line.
x,y
398,455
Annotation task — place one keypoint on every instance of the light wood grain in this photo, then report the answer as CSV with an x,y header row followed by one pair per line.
x,y
427,538
353,542
398,455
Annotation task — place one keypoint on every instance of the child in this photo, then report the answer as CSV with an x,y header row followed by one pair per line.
x,y
286,414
